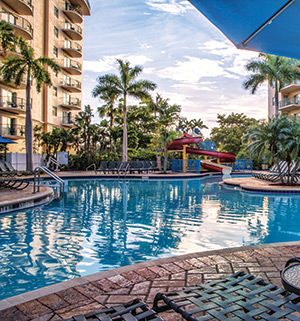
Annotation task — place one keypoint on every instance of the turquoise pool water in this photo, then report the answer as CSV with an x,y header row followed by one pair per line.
x,y
103,224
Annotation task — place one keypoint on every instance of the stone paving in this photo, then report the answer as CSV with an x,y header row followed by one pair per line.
x,y
144,280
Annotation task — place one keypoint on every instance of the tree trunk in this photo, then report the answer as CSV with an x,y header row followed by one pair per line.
x,y
276,98
165,157
124,155
28,127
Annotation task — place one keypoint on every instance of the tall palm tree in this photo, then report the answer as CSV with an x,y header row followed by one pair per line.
x,y
27,67
123,86
168,115
7,37
277,71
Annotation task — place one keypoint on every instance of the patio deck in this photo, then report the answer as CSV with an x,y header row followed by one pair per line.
x,y
144,280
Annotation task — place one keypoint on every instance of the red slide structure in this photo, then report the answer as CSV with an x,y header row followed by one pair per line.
x,y
177,144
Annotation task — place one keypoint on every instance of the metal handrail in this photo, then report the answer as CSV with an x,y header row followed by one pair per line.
x,y
37,180
92,165
122,169
54,161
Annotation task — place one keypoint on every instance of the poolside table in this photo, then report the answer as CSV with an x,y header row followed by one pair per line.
x,y
290,276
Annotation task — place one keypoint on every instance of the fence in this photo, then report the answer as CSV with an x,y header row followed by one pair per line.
x,y
242,165
191,165
18,160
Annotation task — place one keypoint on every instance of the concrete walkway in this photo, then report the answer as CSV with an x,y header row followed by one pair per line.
x,y
144,280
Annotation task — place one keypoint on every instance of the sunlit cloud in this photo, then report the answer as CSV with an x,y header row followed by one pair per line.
x,y
107,64
169,6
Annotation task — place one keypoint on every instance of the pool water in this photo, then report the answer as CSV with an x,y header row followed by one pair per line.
x,y
104,224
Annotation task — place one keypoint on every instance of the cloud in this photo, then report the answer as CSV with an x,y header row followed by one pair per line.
x,y
169,6
107,64
192,69
235,58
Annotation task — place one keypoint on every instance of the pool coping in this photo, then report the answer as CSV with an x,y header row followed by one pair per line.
x,y
52,289
24,202
255,185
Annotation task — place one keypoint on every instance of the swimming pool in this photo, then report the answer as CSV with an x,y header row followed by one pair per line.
x,y
103,224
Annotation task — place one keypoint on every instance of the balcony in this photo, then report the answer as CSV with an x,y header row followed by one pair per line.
x,y
12,83
13,132
71,86
22,26
84,5
72,49
23,7
67,121
73,13
71,66
71,104
290,88
13,105
73,31
289,104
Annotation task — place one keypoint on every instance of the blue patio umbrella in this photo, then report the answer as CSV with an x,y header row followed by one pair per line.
x,y
270,26
5,141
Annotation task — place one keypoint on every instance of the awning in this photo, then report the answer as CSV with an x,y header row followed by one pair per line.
x,y
270,26
6,141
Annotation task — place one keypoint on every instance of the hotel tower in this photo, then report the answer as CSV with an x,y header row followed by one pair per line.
x,y
54,28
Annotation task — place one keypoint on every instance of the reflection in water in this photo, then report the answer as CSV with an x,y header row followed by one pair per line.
x,y
102,224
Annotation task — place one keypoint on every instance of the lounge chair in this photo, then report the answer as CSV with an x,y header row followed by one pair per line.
x,y
135,310
7,167
102,167
13,182
238,297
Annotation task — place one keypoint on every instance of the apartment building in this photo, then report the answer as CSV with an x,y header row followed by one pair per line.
x,y
289,99
54,28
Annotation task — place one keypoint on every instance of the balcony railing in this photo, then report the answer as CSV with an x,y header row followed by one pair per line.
x,y
73,13
10,102
73,86
73,31
17,130
22,26
289,101
71,66
67,120
84,4
73,49
23,7
71,103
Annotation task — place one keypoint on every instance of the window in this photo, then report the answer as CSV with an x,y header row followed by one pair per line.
x,y
67,99
55,32
55,51
55,91
54,111
67,80
56,12
67,62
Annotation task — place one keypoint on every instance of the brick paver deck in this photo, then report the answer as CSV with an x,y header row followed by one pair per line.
x,y
144,280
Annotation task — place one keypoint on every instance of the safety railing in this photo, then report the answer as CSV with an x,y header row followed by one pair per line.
x,y
52,160
37,180
242,165
92,166
186,166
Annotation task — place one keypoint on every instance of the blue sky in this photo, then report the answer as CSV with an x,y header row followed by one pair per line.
x,y
191,62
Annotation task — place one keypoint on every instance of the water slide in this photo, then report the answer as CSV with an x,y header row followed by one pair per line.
x,y
177,144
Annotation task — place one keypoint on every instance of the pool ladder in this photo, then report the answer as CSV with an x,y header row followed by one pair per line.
x,y
37,181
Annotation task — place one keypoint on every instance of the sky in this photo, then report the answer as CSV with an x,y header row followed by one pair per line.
x,y
191,61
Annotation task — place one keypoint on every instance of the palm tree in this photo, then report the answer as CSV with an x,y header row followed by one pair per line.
x,y
277,71
275,136
26,66
7,37
168,115
123,86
